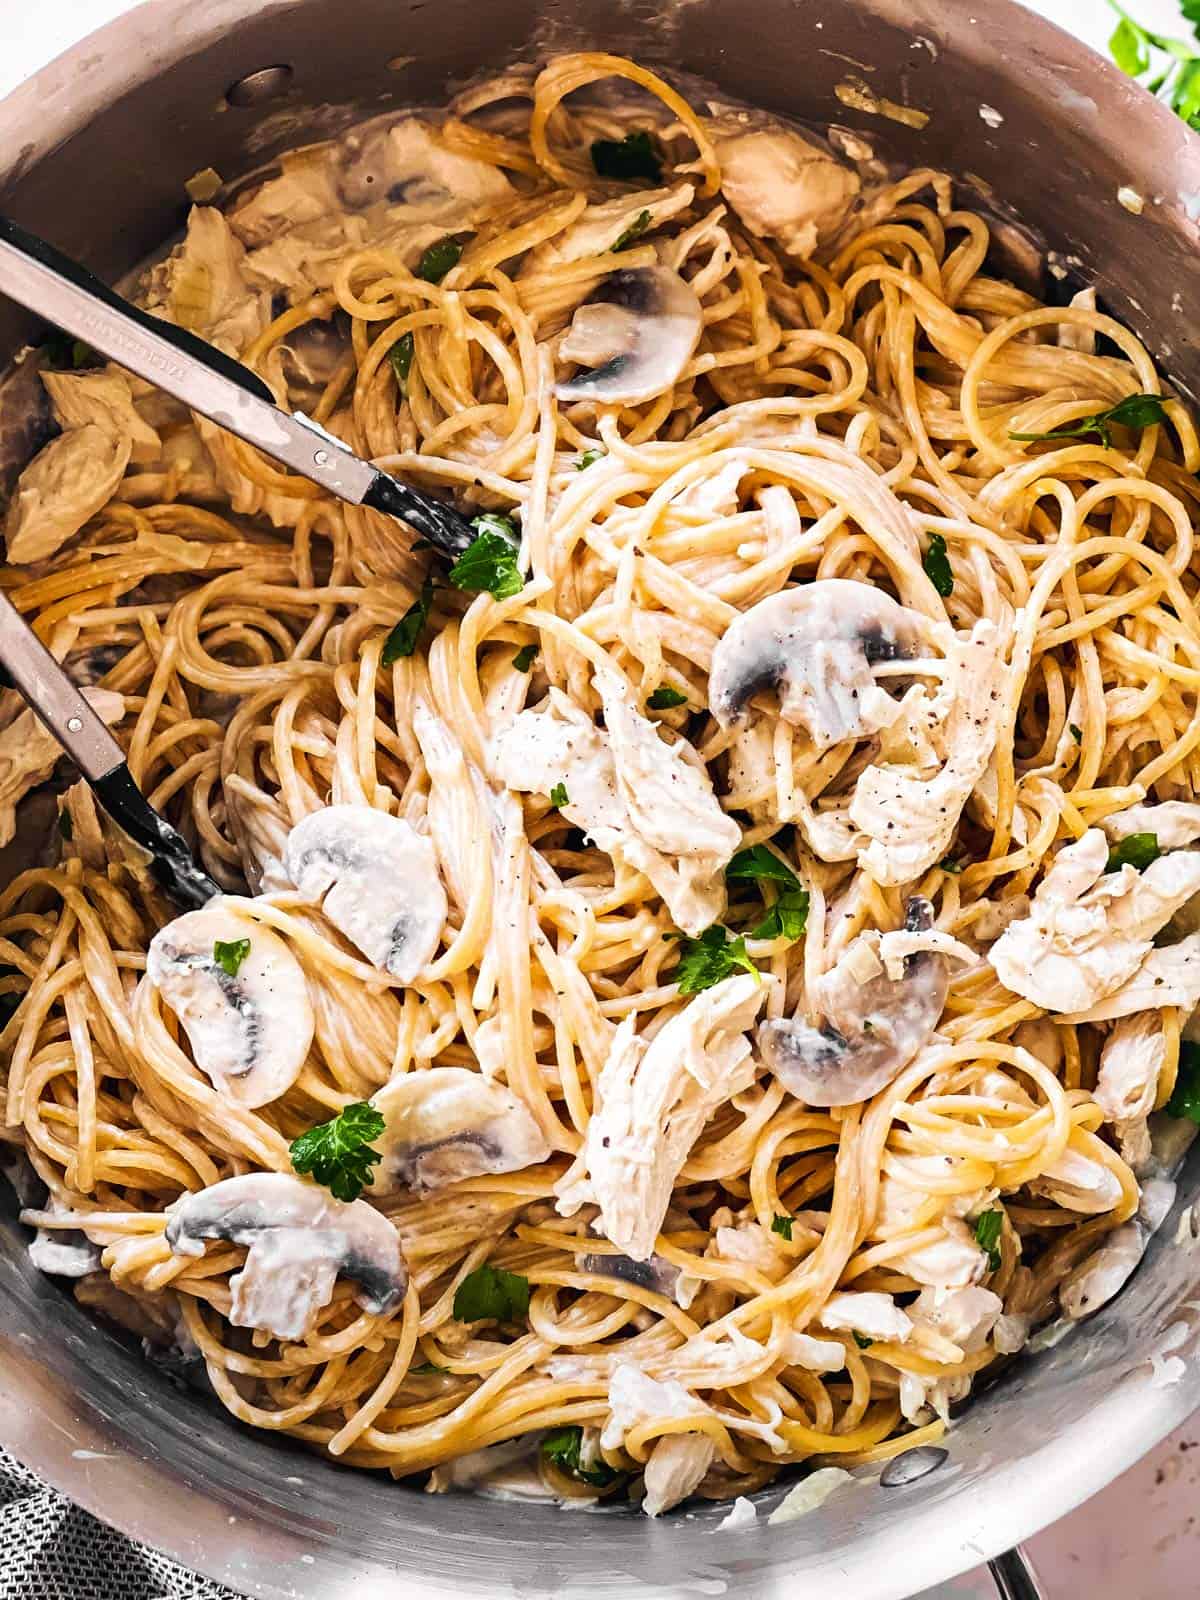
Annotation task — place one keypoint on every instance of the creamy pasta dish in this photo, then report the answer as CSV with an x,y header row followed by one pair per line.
x,y
698,981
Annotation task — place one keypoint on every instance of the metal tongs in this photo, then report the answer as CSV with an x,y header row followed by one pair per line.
x,y
44,280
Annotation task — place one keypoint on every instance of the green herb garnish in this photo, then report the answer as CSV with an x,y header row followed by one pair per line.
x,y
633,232
1176,81
489,1294
937,565
634,156
562,1447
67,828
782,1225
338,1154
401,358
559,796
715,955
988,1227
786,919
427,1369
1075,731
1135,411
664,697
758,863
65,354
229,954
437,260
862,1341
1185,1096
589,458
525,657
1136,850
402,640
950,865
490,561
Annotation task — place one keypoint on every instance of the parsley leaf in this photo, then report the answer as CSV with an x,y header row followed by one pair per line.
x,y
937,565
525,657
1127,46
949,864
337,1153
988,1227
708,959
65,354
67,828
634,156
427,1369
489,1294
230,954
664,697
490,561
437,260
782,1225
402,640
633,232
1135,411
1185,1096
559,796
589,458
786,919
562,1446
401,358
757,863
862,1341
1075,731
1135,850
1137,52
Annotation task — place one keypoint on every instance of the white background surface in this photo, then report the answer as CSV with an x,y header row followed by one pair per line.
x,y
1140,1538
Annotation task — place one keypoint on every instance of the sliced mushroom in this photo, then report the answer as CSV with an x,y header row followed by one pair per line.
x,y
656,1274
377,881
874,1023
637,332
448,1123
249,1031
406,164
817,645
300,1239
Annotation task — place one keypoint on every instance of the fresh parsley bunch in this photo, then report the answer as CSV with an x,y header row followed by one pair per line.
x,y
1169,68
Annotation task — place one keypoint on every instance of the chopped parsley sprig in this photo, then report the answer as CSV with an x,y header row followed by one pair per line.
x,y
628,159
937,565
1185,1096
1135,411
230,953
988,1227
338,1154
489,1294
1134,850
714,956
402,640
490,561
787,916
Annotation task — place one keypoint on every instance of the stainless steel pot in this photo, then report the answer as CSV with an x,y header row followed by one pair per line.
x,y
94,153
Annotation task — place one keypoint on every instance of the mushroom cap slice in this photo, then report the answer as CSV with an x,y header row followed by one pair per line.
x,y
817,645
377,881
449,1123
300,1240
250,1032
873,1028
637,332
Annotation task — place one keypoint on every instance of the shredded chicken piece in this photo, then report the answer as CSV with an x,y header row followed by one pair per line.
x,y
1174,823
910,818
636,796
1089,931
1078,1182
61,489
29,753
1131,1063
965,1316
202,285
675,1466
875,1316
786,188
653,1099
601,226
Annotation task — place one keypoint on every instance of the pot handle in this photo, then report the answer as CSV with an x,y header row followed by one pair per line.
x,y
1014,1576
